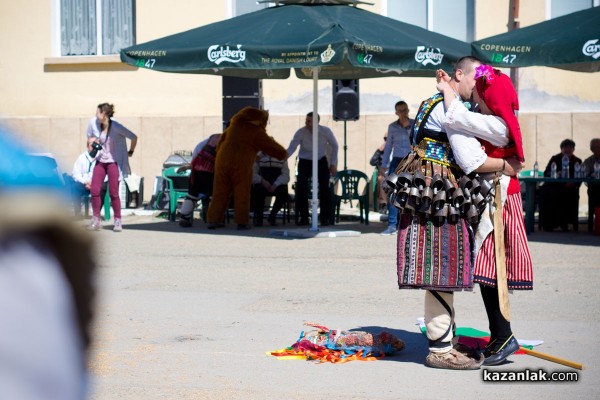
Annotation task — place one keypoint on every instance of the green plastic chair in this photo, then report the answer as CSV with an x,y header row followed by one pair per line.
x,y
107,205
354,185
176,186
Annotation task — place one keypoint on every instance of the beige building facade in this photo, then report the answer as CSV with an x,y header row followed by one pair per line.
x,y
48,99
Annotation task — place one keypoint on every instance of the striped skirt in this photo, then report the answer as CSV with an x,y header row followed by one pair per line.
x,y
519,269
434,256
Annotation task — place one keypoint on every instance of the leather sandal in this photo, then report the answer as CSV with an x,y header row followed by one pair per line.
x,y
453,360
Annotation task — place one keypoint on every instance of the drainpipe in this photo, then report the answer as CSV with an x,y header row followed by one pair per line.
x,y
513,23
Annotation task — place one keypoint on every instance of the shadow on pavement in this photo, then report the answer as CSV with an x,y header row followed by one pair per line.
x,y
580,238
158,225
416,344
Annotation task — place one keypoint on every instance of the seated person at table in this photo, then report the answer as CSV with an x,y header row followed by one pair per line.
x,y
559,203
201,180
593,187
270,178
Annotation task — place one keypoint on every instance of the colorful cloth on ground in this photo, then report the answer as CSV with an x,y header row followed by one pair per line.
x,y
337,346
519,268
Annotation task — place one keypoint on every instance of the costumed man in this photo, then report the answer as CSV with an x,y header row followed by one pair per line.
x,y
236,152
435,235
270,178
201,180
503,260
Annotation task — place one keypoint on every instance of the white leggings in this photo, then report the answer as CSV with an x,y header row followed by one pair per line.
x,y
439,321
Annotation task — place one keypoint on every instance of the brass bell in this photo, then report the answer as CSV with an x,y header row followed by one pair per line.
x,y
411,205
419,180
476,187
404,179
453,215
415,194
458,198
478,201
472,215
442,212
437,183
449,187
486,187
426,197
439,200
401,197
440,215
391,180
465,182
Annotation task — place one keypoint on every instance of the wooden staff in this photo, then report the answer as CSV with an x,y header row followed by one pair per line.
x,y
499,253
552,358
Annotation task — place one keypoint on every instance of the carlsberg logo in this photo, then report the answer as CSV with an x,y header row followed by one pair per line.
x,y
428,56
218,54
591,48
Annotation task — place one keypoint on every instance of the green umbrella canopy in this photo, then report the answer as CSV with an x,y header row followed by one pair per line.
x,y
320,39
569,42
345,42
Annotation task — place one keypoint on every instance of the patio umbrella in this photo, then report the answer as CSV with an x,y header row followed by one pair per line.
x,y
327,39
570,42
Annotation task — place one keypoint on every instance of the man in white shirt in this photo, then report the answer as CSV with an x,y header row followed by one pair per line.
x,y
303,138
82,177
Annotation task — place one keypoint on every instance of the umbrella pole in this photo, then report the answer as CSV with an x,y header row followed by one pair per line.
x,y
315,153
345,146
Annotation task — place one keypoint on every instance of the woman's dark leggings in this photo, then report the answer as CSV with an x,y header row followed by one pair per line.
x,y
499,327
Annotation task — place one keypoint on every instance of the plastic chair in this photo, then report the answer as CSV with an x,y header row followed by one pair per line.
x,y
353,188
375,189
176,186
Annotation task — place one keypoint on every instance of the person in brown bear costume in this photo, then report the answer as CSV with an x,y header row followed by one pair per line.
x,y
236,152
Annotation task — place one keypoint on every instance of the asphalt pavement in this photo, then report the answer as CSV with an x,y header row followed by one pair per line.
x,y
190,314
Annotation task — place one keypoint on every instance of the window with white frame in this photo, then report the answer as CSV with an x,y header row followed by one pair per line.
x,y
451,18
239,7
558,8
96,27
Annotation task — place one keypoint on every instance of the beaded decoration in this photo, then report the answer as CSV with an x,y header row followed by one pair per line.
x,y
433,150
423,112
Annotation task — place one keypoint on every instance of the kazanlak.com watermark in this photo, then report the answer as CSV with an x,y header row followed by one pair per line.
x,y
529,375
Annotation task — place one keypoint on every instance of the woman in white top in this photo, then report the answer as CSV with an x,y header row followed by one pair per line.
x,y
112,160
